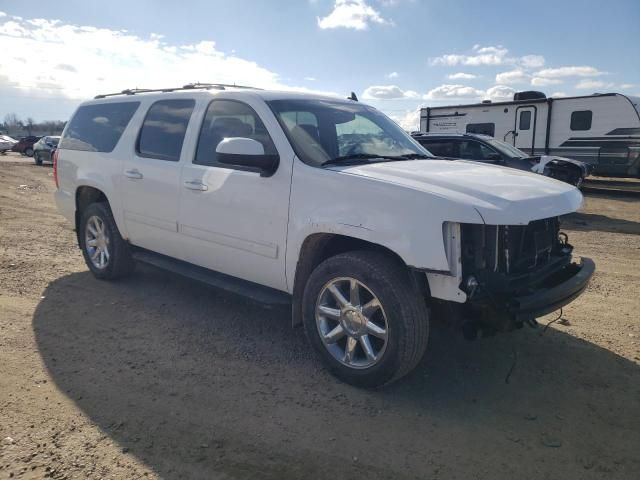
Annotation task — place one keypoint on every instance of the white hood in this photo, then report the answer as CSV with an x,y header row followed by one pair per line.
x,y
502,196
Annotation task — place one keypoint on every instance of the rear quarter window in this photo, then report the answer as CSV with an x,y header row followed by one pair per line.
x,y
97,128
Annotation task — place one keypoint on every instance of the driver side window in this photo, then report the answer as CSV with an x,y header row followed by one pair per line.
x,y
227,119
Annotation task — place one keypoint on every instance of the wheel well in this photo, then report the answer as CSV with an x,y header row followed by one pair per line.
x,y
318,247
85,196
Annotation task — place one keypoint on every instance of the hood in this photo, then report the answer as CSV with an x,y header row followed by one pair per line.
x,y
501,195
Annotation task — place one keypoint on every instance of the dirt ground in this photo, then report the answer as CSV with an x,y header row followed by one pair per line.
x,y
161,377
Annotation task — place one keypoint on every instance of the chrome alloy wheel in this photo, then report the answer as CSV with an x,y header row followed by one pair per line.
x,y
96,242
351,322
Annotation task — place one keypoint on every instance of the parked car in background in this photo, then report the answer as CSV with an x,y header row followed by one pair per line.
x,y
486,149
43,149
6,143
322,203
602,129
25,145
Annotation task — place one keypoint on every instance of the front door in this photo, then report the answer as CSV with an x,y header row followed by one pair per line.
x,y
525,129
151,178
233,220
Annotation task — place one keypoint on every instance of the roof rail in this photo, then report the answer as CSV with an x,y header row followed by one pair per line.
x,y
188,86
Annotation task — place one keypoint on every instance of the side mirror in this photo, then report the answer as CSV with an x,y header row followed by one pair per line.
x,y
247,153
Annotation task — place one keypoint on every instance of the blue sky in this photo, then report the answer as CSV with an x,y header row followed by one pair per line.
x,y
397,55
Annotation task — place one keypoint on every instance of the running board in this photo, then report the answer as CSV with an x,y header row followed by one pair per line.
x,y
253,291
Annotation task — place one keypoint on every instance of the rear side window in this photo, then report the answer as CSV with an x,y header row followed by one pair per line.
x,y
581,120
482,128
97,128
227,119
525,120
162,132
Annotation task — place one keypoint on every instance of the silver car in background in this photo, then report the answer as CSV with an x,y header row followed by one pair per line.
x,y
43,149
6,143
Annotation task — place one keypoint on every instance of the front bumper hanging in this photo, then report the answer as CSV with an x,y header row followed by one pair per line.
x,y
561,289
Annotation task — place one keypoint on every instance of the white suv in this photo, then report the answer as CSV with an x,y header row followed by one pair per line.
x,y
320,202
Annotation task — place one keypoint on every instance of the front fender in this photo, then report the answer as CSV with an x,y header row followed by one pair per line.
x,y
405,221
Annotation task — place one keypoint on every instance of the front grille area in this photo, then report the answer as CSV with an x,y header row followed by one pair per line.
x,y
527,247
507,256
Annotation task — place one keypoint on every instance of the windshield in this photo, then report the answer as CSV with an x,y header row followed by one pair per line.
x,y
506,149
323,131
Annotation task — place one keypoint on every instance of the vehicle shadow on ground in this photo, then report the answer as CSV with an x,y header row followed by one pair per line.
x,y
193,381
590,221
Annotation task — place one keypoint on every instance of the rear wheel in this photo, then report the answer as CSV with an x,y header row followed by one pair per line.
x,y
105,252
365,318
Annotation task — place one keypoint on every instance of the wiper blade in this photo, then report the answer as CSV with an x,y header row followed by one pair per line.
x,y
351,158
371,156
412,156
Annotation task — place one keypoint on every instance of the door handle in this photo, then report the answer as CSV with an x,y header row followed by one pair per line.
x,y
195,185
134,174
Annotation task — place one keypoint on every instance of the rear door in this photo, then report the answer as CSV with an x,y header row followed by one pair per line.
x,y
525,129
151,177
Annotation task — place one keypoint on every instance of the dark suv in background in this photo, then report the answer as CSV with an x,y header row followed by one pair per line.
x,y
483,148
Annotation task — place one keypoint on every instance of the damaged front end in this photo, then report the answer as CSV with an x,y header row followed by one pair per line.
x,y
514,274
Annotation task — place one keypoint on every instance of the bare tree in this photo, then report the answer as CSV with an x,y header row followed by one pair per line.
x,y
12,122
29,125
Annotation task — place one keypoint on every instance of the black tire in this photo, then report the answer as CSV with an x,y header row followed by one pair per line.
x,y
406,312
29,152
37,159
120,263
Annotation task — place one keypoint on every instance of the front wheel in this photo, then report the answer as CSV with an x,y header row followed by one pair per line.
x,y
37,158
29,152
365,318
105,252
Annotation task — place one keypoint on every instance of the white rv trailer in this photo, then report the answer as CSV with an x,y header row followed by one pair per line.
x,y
602,130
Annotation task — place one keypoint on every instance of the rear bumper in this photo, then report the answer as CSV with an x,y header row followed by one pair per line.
x,y
66,206
559,291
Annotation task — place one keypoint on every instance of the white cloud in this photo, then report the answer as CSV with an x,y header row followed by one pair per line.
x,y
499,93
492,56
2,14
532,61
627,85
100,60
591,84
543,82
558,94
310,79
461,76
393,75
410,120
512,77
481,56
387,92
462,92
355,14
452,92
575,71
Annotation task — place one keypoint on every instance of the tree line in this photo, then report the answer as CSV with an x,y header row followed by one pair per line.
x,y
14,126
